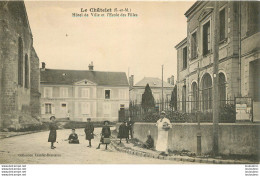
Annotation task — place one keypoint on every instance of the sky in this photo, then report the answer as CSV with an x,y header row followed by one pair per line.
x,y
138,46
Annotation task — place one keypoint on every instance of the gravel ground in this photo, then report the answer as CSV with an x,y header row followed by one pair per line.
x,y
34,149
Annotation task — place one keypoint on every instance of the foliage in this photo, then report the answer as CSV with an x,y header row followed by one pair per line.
x,y
228,113
36,127
147,99
173,102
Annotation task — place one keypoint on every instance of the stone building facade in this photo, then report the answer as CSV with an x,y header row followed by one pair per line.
x,y
81,94
238,54
19,68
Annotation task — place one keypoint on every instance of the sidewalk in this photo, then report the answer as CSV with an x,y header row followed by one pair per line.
x,y
132,149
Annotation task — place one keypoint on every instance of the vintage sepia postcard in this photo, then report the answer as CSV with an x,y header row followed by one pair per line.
x,y
129,82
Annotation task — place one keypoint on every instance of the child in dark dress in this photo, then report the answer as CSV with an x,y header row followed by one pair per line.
x,y
53,133
106,133
73,138
123,132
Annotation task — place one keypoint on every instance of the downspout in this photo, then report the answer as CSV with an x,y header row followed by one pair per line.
x,y
239,50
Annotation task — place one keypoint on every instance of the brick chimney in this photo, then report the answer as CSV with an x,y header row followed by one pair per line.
x,y
91,66
43,66
131,81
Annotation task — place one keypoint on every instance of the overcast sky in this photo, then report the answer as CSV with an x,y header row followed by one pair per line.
x,y
141,43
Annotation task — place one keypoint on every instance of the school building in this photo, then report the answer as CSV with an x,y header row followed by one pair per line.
x,y
81,94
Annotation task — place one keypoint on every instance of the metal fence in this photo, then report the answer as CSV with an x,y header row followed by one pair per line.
x,y
188,112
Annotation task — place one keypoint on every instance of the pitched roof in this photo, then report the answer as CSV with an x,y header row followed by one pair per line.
x,y
153,82
54,76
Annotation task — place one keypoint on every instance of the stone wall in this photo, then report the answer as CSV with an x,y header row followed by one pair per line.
x,y
15,98
234,139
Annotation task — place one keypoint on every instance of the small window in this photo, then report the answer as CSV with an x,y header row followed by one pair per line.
x,y
63,105
107,94
48,108
206,38
194,45
184,57
222,25
122,106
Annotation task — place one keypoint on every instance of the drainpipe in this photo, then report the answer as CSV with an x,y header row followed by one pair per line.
x,y
239,49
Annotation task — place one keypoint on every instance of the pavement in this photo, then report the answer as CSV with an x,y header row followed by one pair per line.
x,y
133,149
33,148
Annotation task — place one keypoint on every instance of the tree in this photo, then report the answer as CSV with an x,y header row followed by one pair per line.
x,y
147,99
173,102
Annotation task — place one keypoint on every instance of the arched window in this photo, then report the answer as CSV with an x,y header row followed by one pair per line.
x,y
20,61
222,89
184,98
206,92
194,89
26,71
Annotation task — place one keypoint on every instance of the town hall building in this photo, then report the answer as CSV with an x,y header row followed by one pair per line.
x,y
239,59
81,94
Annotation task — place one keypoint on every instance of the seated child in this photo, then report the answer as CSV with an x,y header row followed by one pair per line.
x,y
149,144
73,138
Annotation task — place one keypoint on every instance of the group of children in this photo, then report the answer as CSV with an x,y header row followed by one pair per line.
x,y
124,131
73,137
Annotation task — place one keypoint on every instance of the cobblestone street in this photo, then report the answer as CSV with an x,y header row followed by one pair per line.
x,y
33,148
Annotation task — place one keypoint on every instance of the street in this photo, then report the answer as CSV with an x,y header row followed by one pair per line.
x,y
34,149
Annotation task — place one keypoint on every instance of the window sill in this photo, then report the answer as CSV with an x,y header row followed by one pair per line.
x,y
194,58
223,41
209,53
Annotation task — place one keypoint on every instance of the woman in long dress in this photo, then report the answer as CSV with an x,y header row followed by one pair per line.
x,y
163,125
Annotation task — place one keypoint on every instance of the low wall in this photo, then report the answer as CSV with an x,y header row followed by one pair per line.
x,y
235,138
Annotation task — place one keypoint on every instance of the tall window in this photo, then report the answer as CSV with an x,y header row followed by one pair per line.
x,y
122,94
195,102
194,45
222,25
20,61
206,38
184,57
107,109
85,108
47,92
64,92
207,92
222,89
85,93
184,98
48,109
26,71
107,94
254,17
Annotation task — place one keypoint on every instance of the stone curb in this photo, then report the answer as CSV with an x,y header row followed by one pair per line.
x,y
176,158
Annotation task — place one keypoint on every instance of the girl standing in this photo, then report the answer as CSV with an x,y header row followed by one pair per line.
x,y
53,133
